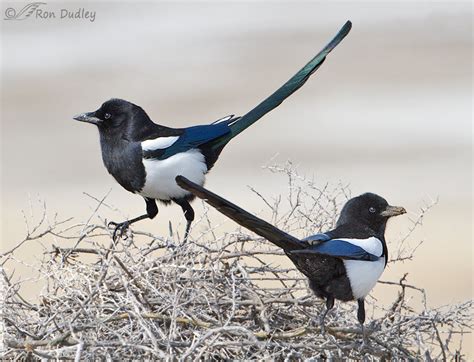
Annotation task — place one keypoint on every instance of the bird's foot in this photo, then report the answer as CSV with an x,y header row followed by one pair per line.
x,y
180,246
322,321
322,324
186,233
364,345
119,229
185,240
365,339
171,245
323,329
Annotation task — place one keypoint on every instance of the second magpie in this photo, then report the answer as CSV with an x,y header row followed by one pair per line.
x,y
145,157
344,263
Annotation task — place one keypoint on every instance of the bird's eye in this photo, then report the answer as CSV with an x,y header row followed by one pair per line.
x,y
372,210
107,115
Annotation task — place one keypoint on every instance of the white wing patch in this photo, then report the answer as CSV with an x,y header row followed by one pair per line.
x,y
223,119
371,245
158,143
160,174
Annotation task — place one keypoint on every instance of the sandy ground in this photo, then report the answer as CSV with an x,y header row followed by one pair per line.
x,y
389,112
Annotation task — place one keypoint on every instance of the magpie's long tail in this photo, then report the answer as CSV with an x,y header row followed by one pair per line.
x,y
242,217
287,89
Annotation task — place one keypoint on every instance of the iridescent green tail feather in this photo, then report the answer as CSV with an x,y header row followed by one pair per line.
x,y
283,92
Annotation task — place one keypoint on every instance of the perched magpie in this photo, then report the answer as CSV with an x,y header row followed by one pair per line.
x,y
344,263
145,157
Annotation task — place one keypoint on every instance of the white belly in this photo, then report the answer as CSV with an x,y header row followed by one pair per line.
x,y
160,175
363,275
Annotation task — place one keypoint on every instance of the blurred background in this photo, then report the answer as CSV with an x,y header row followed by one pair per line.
x,y
389,112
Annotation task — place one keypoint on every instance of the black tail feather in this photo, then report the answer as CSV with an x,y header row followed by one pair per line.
x,y
242,217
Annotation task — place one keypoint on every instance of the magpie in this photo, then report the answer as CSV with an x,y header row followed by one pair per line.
x,y
343,263
145,157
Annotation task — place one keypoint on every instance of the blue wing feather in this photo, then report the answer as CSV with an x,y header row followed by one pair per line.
x,y
339,249
194,137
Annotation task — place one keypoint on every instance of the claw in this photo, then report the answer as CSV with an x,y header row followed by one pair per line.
x,y
119,230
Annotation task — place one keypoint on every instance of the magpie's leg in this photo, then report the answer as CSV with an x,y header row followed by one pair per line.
x,y
329,306
188,214
361,318
121,227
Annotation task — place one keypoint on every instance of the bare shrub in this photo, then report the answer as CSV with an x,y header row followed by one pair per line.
x,y
223,295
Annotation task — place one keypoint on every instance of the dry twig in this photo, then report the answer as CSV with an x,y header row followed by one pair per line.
x,y
221,296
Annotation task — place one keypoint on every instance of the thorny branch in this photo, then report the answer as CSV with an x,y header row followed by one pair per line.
x,y
224,295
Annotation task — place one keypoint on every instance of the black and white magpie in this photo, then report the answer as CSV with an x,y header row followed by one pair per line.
x,y
145,157
344,263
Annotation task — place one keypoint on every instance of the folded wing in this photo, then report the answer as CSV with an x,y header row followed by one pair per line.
x,y
339,249
192,137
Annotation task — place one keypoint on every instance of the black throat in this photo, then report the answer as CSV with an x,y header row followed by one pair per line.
x,y
123,160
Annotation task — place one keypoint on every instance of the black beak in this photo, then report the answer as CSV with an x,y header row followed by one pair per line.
x,y
88,117
393,211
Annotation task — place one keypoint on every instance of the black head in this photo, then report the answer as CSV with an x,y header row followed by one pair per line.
x,y
369,210
116,116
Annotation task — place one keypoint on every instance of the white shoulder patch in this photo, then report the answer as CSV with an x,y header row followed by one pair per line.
x,y
158,143
223,119
371,245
